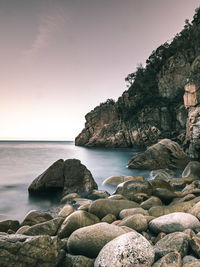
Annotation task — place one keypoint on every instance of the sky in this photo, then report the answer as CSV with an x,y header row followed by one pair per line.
x,y
61,58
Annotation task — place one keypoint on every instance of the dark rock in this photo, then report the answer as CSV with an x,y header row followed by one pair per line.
x,y
130,249
109,218
34,251
102,207
172,259
195,244
137,222
9,224
88,241
192,170
151,202
164,154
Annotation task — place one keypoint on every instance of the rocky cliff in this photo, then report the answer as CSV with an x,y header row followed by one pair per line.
x,y
153,107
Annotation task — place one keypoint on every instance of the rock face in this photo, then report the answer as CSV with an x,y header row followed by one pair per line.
x,y
70,176
130,249
21,250
164,154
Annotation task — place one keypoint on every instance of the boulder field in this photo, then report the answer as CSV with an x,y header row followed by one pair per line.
x,y
143,223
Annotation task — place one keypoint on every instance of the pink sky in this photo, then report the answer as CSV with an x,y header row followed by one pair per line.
x,y
59,59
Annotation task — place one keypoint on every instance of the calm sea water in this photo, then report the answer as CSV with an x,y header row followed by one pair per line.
x,y
21,162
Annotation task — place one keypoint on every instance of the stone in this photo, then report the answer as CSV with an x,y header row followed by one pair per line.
x,y
195,244
117,197
35,217
151,202
45,228
69,176
76,220
127,212
192,95
84,207
77,261
109,218
9,224
89,240
137,222
164,154
192,170
164,194
115,180
50,180
131,188
192,188
174,222
102,207
188,259
140,197
177,241
69,197
195,210
194,263
180,183
172,259
66,211
22,229
22,250
130,249
96,194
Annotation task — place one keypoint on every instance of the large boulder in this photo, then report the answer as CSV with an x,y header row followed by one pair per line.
x,y
35,217
130,249
164,154
174,222
76,220
21,250
130,188
102,207
69,176
89,240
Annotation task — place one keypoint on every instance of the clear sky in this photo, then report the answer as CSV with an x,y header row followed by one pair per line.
x,y
61,58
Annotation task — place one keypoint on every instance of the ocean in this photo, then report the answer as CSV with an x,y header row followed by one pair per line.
x,y
22,162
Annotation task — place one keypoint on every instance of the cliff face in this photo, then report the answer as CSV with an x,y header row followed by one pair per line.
x,y
153,107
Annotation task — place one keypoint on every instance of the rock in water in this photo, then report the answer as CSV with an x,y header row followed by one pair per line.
x,y
130,249
69,176
21,250
164,154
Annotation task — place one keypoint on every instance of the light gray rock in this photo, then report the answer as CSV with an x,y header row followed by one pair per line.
x,y
88,241
174,222
76,220
130,249
177,241
188,259
102,207
34,251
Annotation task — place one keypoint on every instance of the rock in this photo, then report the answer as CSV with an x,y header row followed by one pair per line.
x,y
194,187
45,228
84,207
130,249
69,197
96,194
158,183
109,218
192,170
88,241
172,259
151,202
194,263
22,229
102,207
164,154
127,212
76,220
77,261
21,250
174,222
195,244
191,96
115,180
69,176
117,197
164,194
66,211
136,222
180,183
188,259
9,224
130,188
140,197
35,217
78,179
177,241
81,201
195,210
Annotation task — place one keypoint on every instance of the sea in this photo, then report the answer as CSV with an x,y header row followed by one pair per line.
x,y
22,161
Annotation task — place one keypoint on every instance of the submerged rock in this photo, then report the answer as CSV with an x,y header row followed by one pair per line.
x,y
164,154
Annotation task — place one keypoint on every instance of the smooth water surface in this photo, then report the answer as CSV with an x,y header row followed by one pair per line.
x,y
22,162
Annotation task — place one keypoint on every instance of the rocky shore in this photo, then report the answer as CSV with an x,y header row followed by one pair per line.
x,y
143,223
